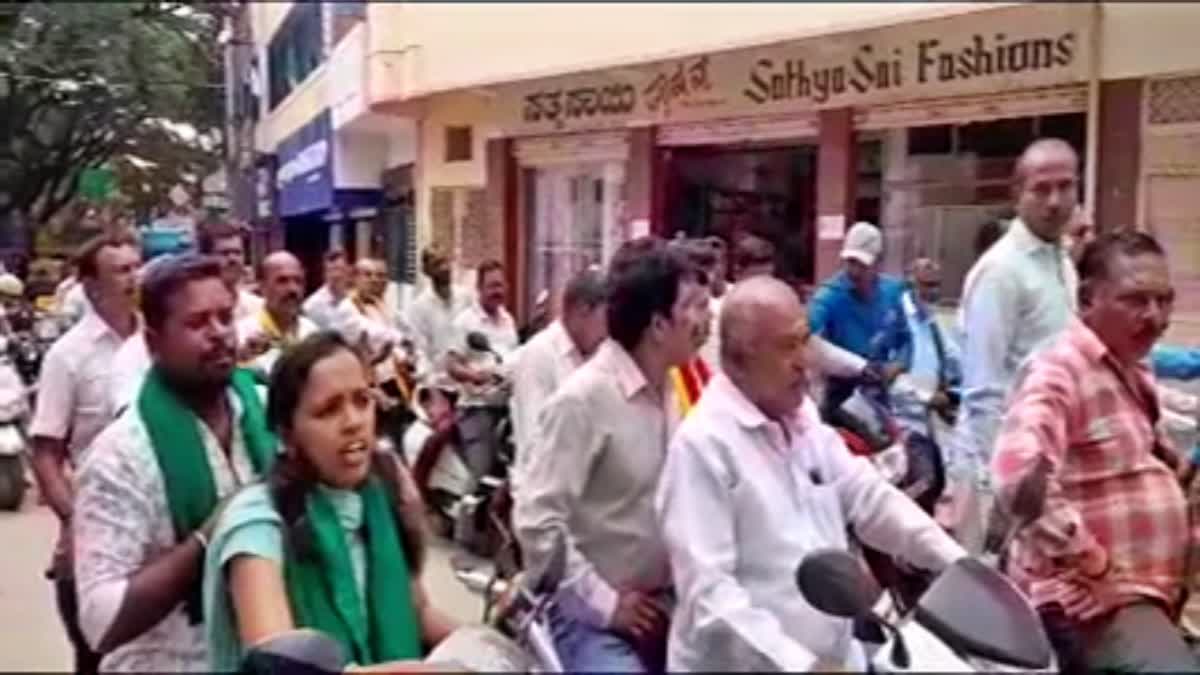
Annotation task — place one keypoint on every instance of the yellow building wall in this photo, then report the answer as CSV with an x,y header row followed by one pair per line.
x,y
1141,39
452,45
441,111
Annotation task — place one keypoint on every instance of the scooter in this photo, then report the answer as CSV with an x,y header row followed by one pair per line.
x,y
972,618
14,408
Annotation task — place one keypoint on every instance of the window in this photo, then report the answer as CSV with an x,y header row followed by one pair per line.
x,y
458,144
295,51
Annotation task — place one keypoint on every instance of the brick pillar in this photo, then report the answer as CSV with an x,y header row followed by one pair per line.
x,y
1119,153
640,177
501,186
836,176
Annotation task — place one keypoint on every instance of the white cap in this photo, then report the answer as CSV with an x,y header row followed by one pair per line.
x,y
864,243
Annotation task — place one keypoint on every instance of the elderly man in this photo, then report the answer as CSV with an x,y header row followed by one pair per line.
x,y
1106,560
226,242
1019,294
600,446
150,484
544,363
73,404
933,360
435,309
321,306
278,325
751,485
858,309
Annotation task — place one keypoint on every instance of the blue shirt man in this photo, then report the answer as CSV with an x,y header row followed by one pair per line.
x,y
859,309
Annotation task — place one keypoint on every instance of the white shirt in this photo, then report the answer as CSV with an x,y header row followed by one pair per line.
x,y
600,446
741,502
248,304
121,522
1020,294
73,402
377,325
321,308
449,472
129,366
711,350
501,333
255,325
539,368
432,322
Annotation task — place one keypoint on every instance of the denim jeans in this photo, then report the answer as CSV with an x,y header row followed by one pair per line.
x,y
584,648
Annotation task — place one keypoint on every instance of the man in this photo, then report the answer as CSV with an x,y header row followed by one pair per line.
x,y
545,362
1080,232
751,485
73,403
933,361
1105,562
599,448
1020,293
754,256
132,361
433,313
149,488
689,379
859,310
321,306
225,242
263,337
481,375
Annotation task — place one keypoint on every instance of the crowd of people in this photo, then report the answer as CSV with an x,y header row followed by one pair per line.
x,y
214,457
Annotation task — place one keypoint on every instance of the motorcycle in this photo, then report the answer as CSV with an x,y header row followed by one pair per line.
x,y
14,409
971,619
518,640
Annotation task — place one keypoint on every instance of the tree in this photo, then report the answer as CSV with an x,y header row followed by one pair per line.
x,y
137,85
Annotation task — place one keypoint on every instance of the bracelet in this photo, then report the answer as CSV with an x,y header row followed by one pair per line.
x,y
200,539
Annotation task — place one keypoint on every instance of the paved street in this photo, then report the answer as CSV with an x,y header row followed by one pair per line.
x,y
33,637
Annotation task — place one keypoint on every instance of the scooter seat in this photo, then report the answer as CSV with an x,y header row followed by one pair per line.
x,y
976,611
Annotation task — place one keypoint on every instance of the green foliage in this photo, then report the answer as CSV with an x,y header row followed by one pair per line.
x,y
84,84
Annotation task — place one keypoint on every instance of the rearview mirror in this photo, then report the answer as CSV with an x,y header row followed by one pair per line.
x,y
834,582
479,342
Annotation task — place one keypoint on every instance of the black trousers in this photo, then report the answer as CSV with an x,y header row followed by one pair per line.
x,y
87,662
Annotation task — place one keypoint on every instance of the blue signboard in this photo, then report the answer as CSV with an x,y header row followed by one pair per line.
x,y
305,173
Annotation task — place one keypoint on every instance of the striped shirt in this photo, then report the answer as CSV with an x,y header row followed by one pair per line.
x,y
1112,485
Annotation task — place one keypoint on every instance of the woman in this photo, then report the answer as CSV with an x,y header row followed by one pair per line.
x,y
332,540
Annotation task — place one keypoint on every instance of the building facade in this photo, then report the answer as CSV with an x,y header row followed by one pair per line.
x,y
547,134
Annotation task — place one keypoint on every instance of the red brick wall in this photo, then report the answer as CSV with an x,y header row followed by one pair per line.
x,y
836,178
1119,153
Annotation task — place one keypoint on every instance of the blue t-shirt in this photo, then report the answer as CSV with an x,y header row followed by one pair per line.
x,y
875,329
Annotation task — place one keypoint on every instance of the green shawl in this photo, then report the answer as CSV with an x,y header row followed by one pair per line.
x,y
187,477
323,593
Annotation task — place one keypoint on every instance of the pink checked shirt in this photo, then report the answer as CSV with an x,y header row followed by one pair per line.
x,y
1109,487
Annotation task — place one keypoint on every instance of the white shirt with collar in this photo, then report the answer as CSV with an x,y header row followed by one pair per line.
x,y
321,308
248,304
130,365
599,449
255,325
501,332
122,521
376,325
432,322
73,400
1020,294
741,501
539,368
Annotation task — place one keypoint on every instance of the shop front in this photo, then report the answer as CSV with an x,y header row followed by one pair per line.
x,y
915,127
316,213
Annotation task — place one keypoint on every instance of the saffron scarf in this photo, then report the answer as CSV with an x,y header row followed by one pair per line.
x,y
174,433
322,590
689,381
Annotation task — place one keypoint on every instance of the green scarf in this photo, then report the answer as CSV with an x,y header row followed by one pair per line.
x,y
323,593
187,477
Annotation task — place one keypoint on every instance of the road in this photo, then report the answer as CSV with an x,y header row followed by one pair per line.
x,y
33,636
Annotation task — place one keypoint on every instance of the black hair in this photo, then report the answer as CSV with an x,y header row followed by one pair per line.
x,y
753,250
211,233
292,477
161,281
1096,261
644,278
587,289
85,259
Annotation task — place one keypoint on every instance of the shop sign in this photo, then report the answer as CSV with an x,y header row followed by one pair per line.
x,y
983,51
305,174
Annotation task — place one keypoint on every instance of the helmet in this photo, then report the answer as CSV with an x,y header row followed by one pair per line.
x,y
11,286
